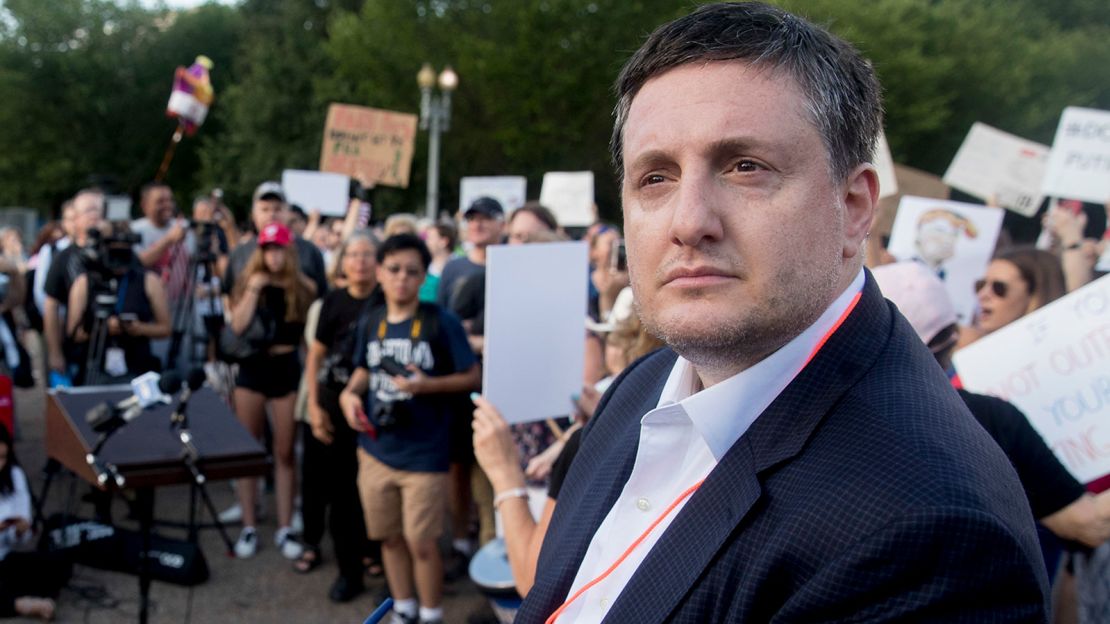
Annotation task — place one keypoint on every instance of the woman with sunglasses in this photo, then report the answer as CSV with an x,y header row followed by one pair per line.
x,y
273,292
1017,281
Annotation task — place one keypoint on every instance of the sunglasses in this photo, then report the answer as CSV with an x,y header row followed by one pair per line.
x,y
998,288
394,269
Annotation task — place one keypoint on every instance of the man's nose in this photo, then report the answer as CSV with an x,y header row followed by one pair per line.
x,y
696,216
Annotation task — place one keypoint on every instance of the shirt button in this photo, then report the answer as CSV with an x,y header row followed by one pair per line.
x,y
604,603
643,504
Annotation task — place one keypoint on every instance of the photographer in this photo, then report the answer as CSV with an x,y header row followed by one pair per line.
x,y
412,357
67,264
135,309
269,305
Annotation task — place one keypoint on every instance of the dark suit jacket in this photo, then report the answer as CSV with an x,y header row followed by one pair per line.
x,y
865,492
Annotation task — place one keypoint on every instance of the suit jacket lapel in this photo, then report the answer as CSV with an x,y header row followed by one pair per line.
x,y
713,512
596,478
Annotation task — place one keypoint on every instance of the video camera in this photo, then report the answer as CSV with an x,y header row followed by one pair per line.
x,y
110,255
205,233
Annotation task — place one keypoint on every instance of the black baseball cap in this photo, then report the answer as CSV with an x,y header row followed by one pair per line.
x,y
486,206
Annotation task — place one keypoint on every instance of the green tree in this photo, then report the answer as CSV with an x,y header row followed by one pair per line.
x,y
86,84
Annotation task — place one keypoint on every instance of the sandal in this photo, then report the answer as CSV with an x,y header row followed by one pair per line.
x,y
373,567
308,561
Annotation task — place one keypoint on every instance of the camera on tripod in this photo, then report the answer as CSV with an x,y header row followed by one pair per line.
x,y
108,256
205,233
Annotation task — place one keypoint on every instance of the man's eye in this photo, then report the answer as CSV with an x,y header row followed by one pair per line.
x,y
653,178
748,166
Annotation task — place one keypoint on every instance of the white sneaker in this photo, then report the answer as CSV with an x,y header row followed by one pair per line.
x,y
247,544
232,514
287,543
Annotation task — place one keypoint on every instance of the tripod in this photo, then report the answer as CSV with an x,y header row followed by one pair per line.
x,y
202,264
103,303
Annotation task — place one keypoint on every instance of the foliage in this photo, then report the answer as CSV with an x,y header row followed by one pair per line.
x,y
86,82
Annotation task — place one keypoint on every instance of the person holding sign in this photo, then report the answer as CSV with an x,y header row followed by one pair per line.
x,y
1017,281
1057,499
795,454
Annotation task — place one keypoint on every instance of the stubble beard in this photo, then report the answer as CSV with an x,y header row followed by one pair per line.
x,y
722,349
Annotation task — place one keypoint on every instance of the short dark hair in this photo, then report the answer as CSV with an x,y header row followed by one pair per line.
x,y
539,211
148,188
447,231
299,212
843,97
404,242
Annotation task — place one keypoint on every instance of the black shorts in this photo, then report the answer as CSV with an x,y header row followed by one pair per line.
x,y
272,376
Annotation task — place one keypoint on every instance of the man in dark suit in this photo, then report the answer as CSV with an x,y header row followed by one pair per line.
x,y
795,454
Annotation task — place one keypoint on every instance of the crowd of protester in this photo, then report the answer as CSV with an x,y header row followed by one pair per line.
x,y
362,345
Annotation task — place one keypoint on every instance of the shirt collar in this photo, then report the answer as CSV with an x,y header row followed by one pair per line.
x,y
722,413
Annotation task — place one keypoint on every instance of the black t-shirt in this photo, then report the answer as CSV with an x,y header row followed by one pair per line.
x,y
271,307
562,465
1047,483
65,266
336,329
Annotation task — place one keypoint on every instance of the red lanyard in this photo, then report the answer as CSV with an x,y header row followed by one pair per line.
x,y
690,490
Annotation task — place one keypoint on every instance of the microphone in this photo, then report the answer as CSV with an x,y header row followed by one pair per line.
x,y
148,389
193,383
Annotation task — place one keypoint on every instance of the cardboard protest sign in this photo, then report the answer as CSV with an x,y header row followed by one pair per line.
x,y
1079,165
528,374
369,144
992,163
570,195
953,238
884,163
510,191
1054,365
315,190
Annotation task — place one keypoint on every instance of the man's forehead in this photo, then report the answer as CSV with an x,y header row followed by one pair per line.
x,y
732,92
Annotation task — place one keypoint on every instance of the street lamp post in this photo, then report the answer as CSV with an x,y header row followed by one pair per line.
x,y
435,117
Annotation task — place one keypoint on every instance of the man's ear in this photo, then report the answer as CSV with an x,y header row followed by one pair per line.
x,y
861,201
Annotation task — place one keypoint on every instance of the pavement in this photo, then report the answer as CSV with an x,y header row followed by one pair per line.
x,y
263,589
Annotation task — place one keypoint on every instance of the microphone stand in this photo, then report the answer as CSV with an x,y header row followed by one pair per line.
x,y
179,423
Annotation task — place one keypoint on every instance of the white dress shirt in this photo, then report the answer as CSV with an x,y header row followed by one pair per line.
x,y
681,441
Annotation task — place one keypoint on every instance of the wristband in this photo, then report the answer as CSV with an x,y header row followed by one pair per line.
x,y
507,494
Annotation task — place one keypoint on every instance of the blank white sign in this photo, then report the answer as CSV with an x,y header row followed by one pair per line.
x,y
570,195
535,328
510,191
315,190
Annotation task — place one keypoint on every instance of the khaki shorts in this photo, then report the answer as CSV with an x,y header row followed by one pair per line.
x,y
401,502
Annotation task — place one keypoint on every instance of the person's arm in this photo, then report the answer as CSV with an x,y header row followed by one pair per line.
x,y
419,383
350,400
17,286
1085,520
75,314
499,458
242,310
317,417
52,330
161,326
150,256
1077,254
312,225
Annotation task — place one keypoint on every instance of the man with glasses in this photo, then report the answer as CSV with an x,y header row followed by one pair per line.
x,y
413,360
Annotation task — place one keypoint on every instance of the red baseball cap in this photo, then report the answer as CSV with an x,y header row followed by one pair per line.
x,y
275,234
